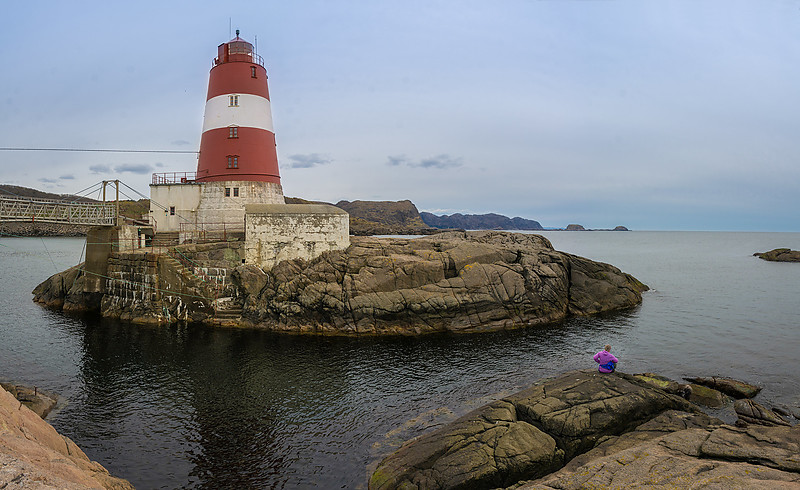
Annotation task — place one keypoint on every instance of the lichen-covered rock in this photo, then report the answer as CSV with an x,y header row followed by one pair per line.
x,y
665,423
665,384
708,397
456,281
729,386
720,458
526,435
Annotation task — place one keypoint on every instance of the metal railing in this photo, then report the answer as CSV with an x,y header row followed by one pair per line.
x,y
209,232
178,177
50,211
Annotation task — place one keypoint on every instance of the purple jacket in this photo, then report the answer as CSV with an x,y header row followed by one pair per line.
x,y
603,357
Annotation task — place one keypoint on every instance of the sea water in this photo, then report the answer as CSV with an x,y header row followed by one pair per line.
x,y
199,407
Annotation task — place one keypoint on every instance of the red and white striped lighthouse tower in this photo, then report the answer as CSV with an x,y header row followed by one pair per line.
x,y
238,141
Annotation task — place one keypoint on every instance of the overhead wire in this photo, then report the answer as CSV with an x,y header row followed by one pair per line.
x,y
97,150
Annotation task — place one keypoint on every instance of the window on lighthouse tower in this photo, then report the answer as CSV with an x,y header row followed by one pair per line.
x,y
233,132
233,100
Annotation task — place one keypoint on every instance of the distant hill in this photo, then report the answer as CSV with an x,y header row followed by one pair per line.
x,y
489,221
28,193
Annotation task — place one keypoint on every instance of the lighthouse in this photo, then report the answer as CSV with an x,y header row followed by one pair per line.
x,y
238,161
236,193
238,141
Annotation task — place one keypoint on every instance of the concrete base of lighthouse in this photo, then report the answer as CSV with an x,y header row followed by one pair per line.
x,y
195,207
225,201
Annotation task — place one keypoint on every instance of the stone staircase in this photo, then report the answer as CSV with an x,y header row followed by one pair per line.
x,y
227,310
165,239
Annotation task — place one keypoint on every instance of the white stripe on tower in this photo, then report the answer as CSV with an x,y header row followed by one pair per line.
x,y
252,111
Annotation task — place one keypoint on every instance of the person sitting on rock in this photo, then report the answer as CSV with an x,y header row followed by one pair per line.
x,y
607,361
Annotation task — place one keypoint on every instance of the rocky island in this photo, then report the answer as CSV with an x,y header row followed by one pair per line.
x,y
454,281
779,255
584,429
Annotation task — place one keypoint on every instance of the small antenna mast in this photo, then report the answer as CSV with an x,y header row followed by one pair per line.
x,y
256,45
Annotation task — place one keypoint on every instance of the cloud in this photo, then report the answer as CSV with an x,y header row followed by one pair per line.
x,y
181,143
100,169
67,177
159,164
308,161
395,161
134,168
48,181
439,161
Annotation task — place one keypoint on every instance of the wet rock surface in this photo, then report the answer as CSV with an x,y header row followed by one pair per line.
x,y
729,386
750,412
40,402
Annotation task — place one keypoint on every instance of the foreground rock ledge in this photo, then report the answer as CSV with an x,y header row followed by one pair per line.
x,y
455,281
34,455
589,430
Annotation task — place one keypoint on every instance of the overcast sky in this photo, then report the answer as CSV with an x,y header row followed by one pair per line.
x,y
665,115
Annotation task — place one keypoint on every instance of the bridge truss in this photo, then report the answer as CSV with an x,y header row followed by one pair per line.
x,y
51,211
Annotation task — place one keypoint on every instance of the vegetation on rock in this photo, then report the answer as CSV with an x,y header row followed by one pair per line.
x,y
780,255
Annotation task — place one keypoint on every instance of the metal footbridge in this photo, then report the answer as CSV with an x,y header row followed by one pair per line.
x,y
32,210
52,211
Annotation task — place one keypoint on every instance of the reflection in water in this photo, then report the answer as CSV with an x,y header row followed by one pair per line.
x,y
190,406
197,406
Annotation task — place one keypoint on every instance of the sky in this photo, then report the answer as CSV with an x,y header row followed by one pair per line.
x,y
671,115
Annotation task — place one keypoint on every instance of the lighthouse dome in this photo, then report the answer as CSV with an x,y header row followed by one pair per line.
x,y
237,49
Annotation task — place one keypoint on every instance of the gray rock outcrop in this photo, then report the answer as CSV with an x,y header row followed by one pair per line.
x,y
750,412
583,429
529,434
722,457
456,281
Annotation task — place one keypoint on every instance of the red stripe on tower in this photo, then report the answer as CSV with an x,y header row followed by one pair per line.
x,y
238,141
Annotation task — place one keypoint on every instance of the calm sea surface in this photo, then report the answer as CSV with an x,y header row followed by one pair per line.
x,y
190,406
